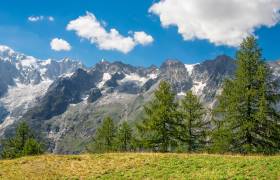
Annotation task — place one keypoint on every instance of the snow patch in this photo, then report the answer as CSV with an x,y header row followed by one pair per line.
x,y
84,99
43,71
6,49
67,75
106,77
46,62
6,52
134,77
190,67
152,76
7,121
29,62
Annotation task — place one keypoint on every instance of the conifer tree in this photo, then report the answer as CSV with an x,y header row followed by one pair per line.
x,y
23,143
193,130
158,129
246,116
124,137
104,137
223,115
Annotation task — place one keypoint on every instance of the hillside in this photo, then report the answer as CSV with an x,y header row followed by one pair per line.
x,y
141,166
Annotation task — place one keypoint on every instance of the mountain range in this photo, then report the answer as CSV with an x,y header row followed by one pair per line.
x,y
65,101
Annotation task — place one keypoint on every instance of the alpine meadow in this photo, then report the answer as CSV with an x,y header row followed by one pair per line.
x,y
101,102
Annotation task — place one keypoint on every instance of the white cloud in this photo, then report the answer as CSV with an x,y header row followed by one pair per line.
x,y
143,38
40,18
60,45
51,18
35,18
222,22
90,28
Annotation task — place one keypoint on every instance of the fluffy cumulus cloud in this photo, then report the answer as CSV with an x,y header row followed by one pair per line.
x,y
60,45
40,18
222,22
143,38
88,27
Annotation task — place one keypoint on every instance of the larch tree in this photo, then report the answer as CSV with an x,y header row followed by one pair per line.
x,y
246,118
104,138
158,129
124,137
22,144
193,129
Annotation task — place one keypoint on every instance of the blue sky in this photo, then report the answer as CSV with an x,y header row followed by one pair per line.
x,y
128,16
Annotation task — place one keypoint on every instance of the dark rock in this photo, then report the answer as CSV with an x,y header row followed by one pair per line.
x,y
94,94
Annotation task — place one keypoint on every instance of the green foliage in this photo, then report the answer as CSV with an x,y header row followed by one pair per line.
x,y
104,138
124,137
222,135
193,130
23,143
158,130
246,117
32,147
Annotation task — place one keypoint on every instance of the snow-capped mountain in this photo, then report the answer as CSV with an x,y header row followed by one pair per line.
x,y
73,107
23,79
65,102
30,70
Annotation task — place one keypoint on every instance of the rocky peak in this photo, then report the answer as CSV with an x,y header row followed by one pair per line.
x,y
223,65
102,66
8,54
171,64
6,51
174,70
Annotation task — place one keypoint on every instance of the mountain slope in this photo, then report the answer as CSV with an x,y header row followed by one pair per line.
x,y
73,107
23,79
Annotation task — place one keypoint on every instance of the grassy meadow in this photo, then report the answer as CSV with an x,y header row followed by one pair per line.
x,y
141,166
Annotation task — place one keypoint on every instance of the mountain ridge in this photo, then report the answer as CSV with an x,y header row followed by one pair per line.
x,y
74,104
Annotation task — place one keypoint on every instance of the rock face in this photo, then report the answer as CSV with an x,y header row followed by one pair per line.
x,y
67,113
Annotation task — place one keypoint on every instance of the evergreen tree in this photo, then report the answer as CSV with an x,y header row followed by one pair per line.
x,y
23,143
223,115
246,117
32,147
193,130
104,137
158,129
124,137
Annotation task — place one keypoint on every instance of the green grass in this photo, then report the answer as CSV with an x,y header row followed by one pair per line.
x,y
141,166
